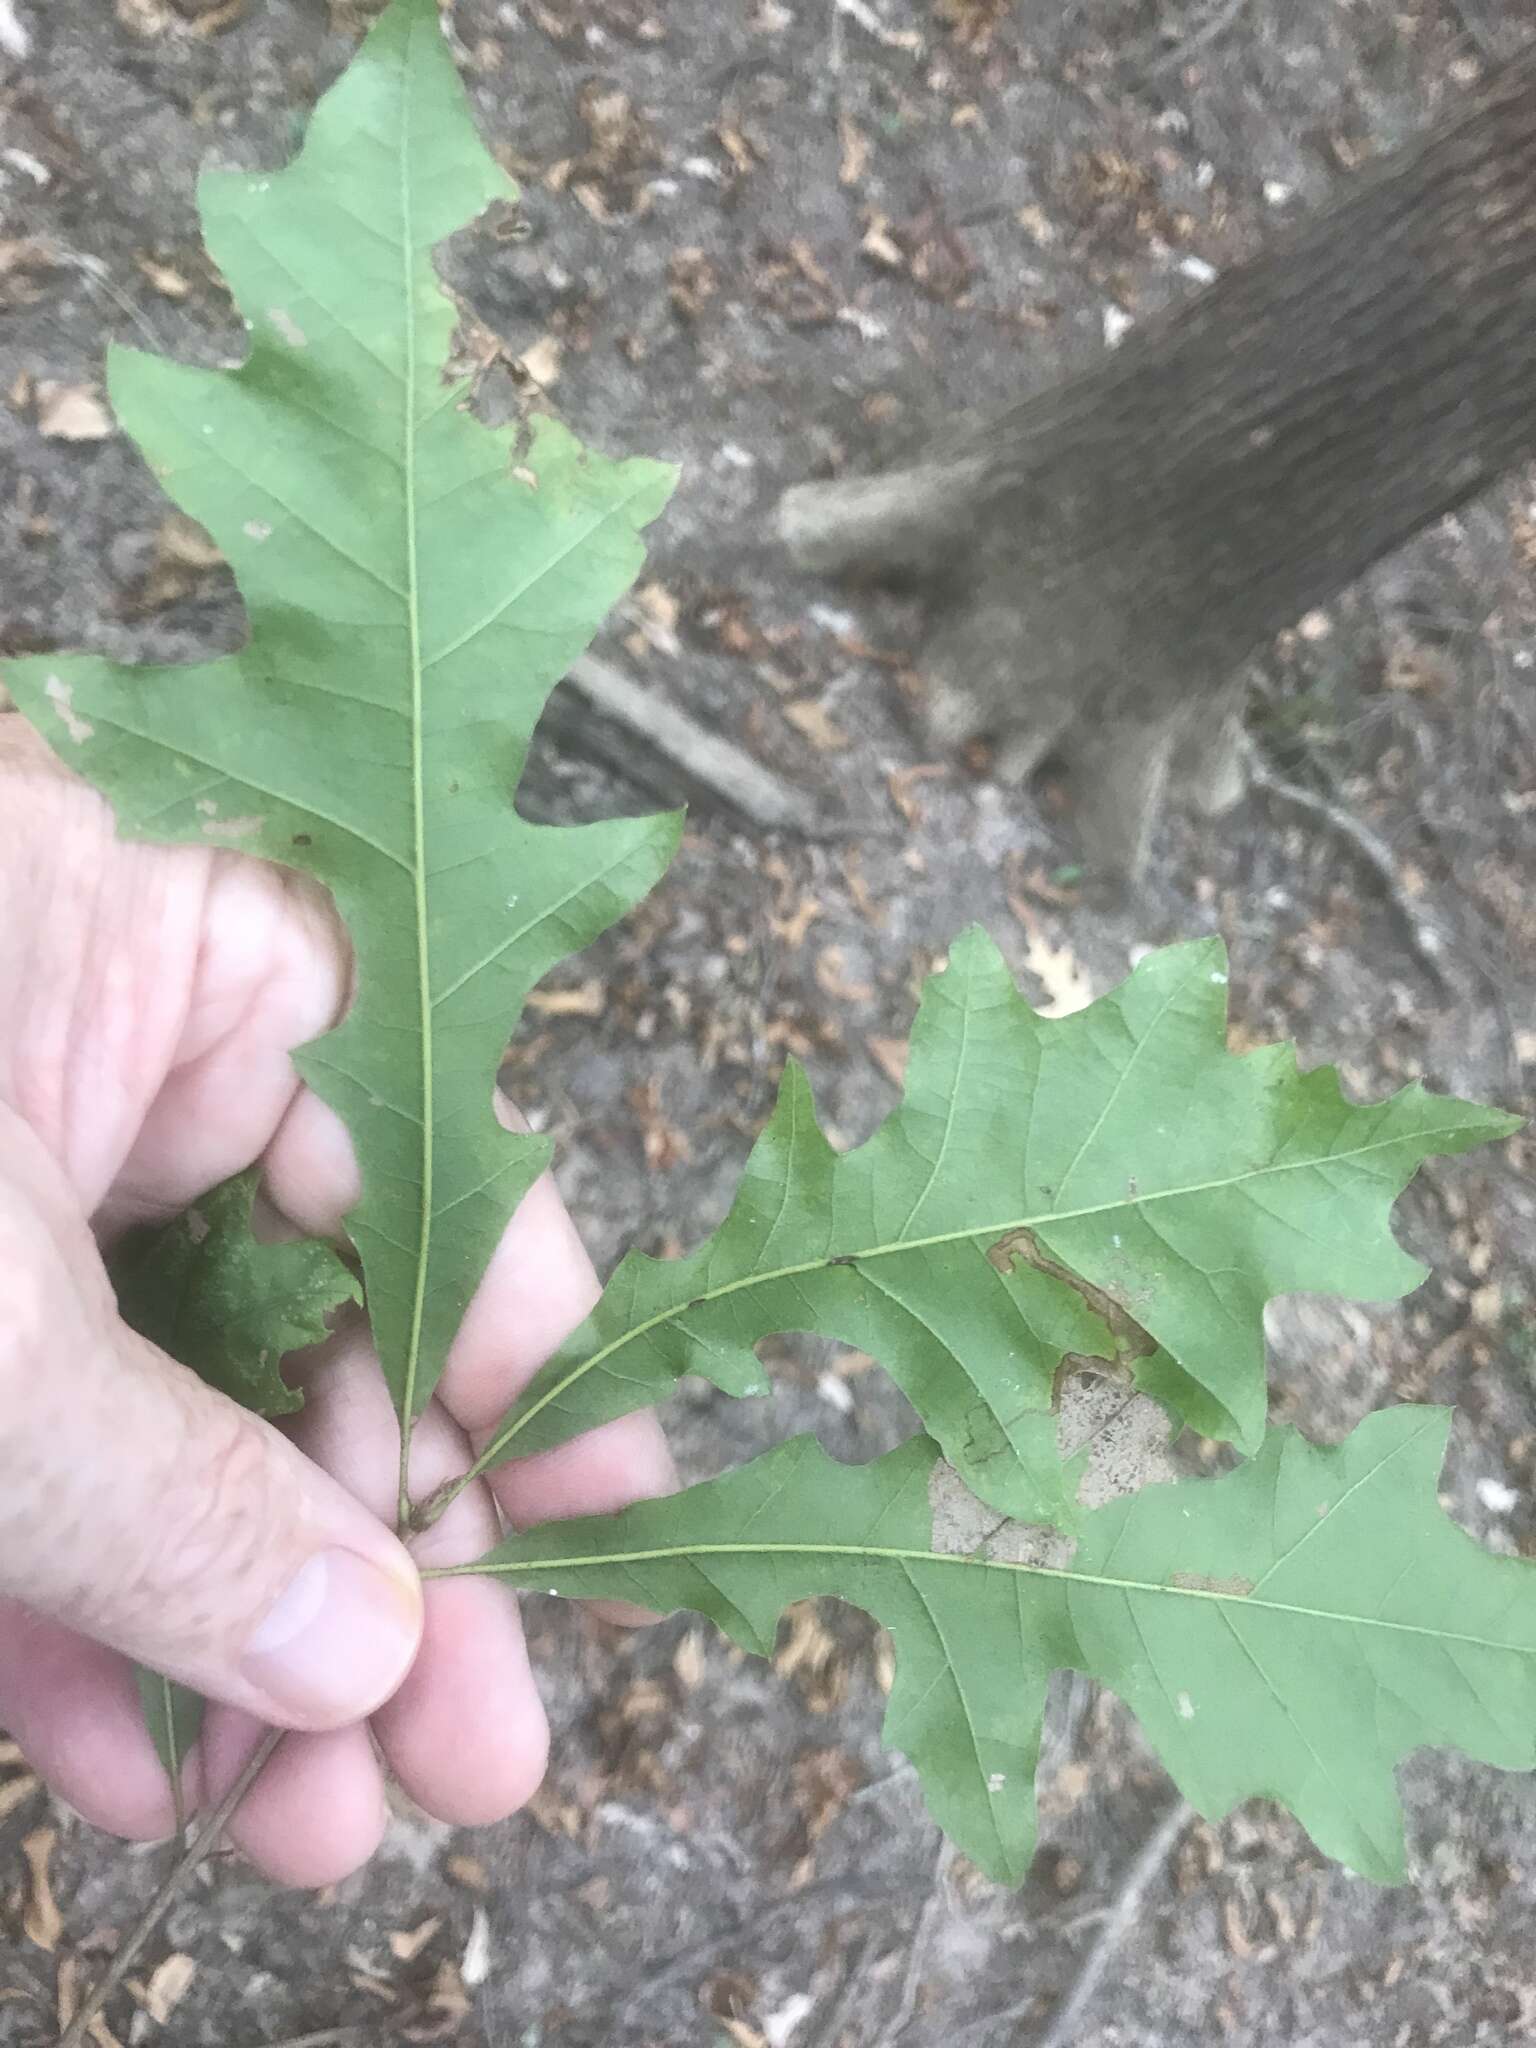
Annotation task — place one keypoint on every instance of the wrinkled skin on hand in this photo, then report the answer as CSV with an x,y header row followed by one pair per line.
x,y
149,999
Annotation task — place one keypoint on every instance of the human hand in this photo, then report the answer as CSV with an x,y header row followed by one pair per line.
x,y
149,999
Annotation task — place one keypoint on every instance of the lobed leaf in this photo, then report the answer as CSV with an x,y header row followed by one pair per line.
x,y
1291,1630
1042,1180
212,1295
416,584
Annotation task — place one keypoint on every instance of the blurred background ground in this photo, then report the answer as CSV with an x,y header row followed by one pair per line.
x,y
768,239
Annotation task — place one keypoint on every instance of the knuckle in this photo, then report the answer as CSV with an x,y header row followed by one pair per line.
x,y
208,1565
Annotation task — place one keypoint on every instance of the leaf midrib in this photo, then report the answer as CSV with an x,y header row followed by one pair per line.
x,y
994,1231
691,1552
418,792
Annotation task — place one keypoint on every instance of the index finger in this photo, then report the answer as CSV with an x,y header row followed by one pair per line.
x,y
538,1288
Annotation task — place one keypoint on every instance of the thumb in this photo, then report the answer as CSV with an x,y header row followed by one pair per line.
x,y
149,1513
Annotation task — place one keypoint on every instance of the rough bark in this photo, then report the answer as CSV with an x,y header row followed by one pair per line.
x,y
1104,557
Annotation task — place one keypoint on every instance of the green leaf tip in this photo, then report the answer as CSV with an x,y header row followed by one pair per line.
x,y
1292,1630
173,1715
1115,1185
416,584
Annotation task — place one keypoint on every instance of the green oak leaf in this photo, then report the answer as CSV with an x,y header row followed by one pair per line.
x,y
416,585
173,1714
1291,1630
1037,1172
211,1294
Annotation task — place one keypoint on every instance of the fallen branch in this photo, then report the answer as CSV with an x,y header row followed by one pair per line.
x,y
1372,849
669,754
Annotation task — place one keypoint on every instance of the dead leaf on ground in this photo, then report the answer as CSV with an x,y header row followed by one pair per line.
x,y
808,1654
169,1984
447,2006
182,542
658,613
791,930
202,17
208,17
903,781
855,148
42,1922
24,264
541,363
1057,968
407,1943
791,282
811,719
610,177
145,17
665,1145
688,1661
692,281
859,889
973,23
185,553
73,412
880,245
67,2003
168,282
15,1792
727,1997
822,1782
571,20
740,148
940,262
890,1056
833,981
475,1963
588,999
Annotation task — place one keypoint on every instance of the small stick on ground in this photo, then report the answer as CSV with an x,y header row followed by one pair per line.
x,y
668,753
922,1939
830,2031
1373,850
1123,1910
202,1845
1200,38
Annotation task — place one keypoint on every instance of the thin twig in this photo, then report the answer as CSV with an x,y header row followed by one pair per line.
x,y
900,1773
917,1954
1123,1909
1201,38
830,2031
668,1971
1476,28
197,1850
1422,936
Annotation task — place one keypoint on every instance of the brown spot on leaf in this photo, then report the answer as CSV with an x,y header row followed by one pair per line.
x,y
1022,1247
1236,1587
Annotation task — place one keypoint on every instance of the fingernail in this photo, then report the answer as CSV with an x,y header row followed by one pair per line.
x,y
337,1642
